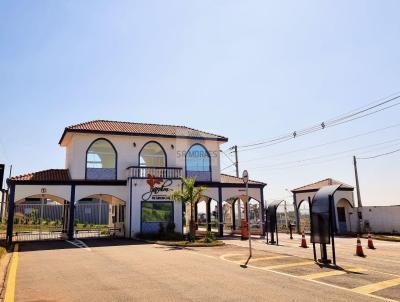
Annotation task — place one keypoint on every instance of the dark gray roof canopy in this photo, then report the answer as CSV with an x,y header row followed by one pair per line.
x,y
320,202
322,214
274,205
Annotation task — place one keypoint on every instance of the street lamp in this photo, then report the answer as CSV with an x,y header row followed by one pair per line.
x,y
245,177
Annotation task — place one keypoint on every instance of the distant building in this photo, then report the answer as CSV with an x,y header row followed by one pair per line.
x,y
343,199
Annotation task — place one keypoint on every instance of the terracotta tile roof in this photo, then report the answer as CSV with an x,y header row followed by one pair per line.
x,y
52,175
319,184
142,129
229,179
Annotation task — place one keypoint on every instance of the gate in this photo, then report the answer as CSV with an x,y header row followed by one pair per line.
x,y
41,220
98,218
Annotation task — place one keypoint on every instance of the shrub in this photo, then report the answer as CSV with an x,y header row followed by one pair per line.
x,y
161,229
170,227
190,237
173,236
157,236
210,237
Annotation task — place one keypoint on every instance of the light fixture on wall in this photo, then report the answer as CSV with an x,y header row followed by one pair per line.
x,y
172,146
134,144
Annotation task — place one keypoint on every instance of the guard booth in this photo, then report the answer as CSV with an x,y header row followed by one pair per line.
x,y
322,222
272,222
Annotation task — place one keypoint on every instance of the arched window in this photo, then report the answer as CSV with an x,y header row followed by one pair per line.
x,y
152,155
101,160
198,163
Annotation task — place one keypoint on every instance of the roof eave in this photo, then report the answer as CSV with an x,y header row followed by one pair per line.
x,y
66,130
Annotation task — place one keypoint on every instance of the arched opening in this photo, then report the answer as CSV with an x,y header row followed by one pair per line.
x,y
214,215
198,163
101,160
201,214
227,215
304,216
343,219
255,216
285,215
206,215
40,217
152,155
238,212
99,215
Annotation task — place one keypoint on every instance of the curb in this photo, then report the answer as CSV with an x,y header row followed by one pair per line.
x,y
5,262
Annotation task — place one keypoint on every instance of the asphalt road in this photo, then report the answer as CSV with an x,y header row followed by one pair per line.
x,y
123,270
385,258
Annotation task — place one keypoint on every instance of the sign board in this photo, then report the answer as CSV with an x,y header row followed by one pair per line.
x,y
245,176
159,189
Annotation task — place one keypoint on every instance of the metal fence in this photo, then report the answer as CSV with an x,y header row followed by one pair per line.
x,y
39,221
49,220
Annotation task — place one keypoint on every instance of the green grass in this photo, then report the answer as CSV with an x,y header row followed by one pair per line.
x,y
52,227
392,238
3,251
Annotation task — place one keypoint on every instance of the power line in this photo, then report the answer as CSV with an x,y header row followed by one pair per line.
x,y
380,155
227,156
325,156
324,144
329,123
231,165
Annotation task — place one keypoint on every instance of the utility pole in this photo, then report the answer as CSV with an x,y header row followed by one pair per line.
x,y
236,160
359,202
286,215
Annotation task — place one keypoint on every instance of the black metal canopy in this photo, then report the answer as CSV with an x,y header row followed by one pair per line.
x,y
274,205
320,202
322,215
271,222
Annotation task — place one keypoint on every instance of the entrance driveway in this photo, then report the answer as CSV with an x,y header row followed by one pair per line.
x,y
124,270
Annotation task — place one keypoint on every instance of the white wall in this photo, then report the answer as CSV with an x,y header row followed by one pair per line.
x,y
24,191
236,192
128,155
120,192
139,187
382,219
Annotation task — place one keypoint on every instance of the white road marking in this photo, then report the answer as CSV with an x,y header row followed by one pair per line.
x,y
223,257
80,244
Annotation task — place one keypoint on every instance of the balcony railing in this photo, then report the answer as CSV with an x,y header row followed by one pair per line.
x,y
200,175
144,172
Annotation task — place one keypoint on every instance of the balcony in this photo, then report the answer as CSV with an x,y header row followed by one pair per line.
x,y
159,172
200,175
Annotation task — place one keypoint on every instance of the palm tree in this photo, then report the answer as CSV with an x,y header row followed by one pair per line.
x,y
190,194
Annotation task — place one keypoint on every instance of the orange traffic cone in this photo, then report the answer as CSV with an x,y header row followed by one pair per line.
x,y
303,240
359,249
370,243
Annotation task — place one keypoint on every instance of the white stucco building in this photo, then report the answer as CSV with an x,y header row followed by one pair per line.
x,y
121,174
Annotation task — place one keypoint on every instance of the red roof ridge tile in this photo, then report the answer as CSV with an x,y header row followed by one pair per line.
x,y
168,130
49,174
239,179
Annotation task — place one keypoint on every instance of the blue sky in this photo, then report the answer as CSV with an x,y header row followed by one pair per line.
x,y
249,70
